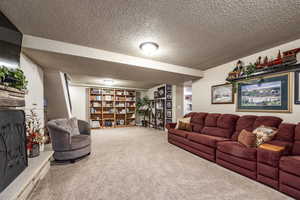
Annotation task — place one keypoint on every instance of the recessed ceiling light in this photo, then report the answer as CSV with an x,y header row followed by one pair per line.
x,y
108,82
149,48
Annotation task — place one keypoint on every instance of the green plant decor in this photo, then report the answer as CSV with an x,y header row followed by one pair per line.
x,y
143,106
13,77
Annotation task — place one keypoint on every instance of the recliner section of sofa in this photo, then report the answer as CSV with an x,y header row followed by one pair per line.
x,y
215,136
289,165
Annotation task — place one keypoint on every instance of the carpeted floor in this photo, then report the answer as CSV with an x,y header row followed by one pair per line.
x,y
139,164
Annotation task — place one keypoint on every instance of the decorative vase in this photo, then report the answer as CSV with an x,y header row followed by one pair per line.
x,y
34,151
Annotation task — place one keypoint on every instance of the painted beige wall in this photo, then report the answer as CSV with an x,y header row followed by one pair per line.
x,y
202,88
35,96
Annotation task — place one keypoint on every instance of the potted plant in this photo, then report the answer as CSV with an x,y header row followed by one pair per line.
x,y
143,107
13,77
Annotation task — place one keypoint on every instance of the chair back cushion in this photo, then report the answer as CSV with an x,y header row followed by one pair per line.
x,y
220,125
296,146
245,122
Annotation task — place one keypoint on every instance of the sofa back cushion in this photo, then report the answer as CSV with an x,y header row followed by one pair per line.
x,y
245,122
220,125
269,121
286,132
211,119
189,114
198,120
296,146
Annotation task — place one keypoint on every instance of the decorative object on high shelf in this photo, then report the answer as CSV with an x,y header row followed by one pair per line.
x,y
286,61
143,107
222,94
297,87
112,107
161,92
155,94
34,132
270,94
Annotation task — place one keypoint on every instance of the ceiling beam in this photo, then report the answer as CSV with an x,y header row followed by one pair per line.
x,y
43,44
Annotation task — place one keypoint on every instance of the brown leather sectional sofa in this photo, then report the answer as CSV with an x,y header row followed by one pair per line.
x,y
214,137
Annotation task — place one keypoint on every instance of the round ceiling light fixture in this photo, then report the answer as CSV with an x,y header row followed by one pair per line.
x,y
149,48
108,82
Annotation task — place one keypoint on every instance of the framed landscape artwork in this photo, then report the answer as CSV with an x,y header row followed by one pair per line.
x,y
297,87
270,94
222,94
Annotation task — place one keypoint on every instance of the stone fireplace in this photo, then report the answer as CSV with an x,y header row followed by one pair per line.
x,y
13,154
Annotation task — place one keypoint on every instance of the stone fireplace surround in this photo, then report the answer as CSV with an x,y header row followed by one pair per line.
x,y
13,154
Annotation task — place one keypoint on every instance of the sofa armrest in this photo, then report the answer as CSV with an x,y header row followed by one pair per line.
x,y
84,127
61,138
170,125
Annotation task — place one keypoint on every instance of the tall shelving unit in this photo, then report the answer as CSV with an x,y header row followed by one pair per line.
x,y
111,107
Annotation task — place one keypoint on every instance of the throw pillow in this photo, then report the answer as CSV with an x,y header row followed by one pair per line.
x,y
264,134
247,138
185,126
184,120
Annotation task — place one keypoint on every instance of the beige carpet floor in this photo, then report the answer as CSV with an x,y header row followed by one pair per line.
x,y
139,164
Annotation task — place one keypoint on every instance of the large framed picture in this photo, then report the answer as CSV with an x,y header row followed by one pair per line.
x,y
222,94
267,94
297,87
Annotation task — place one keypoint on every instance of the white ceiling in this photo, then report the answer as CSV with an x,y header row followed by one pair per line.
x,y
194,33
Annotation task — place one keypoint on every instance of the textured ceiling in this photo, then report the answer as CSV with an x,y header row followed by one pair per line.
x,y
194,33
91,71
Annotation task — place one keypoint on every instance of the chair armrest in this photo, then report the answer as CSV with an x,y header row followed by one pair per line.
x,y
170,125
61,138
84,127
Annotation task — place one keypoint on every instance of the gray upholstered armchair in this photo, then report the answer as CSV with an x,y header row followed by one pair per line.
x,y
68,145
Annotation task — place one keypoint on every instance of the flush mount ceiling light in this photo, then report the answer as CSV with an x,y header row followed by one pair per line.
x,y
149,48
108,82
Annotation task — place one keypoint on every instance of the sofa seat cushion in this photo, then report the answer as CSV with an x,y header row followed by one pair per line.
x,y
180,133
207,140
80,141
290,164
238,150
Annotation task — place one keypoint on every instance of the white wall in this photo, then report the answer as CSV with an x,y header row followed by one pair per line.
x,y
35,97
217,75
79,102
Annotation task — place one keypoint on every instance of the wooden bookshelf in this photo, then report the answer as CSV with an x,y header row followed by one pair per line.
x,y
111,107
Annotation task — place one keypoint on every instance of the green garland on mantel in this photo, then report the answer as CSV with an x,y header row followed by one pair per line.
x,y
13,77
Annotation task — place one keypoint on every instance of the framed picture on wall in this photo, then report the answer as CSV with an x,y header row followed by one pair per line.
x,y
169,104
161,92
169,88
222,94
169,114
169,96
267,94
297,87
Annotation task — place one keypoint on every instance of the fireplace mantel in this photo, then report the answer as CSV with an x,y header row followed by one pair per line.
x,y
11,97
